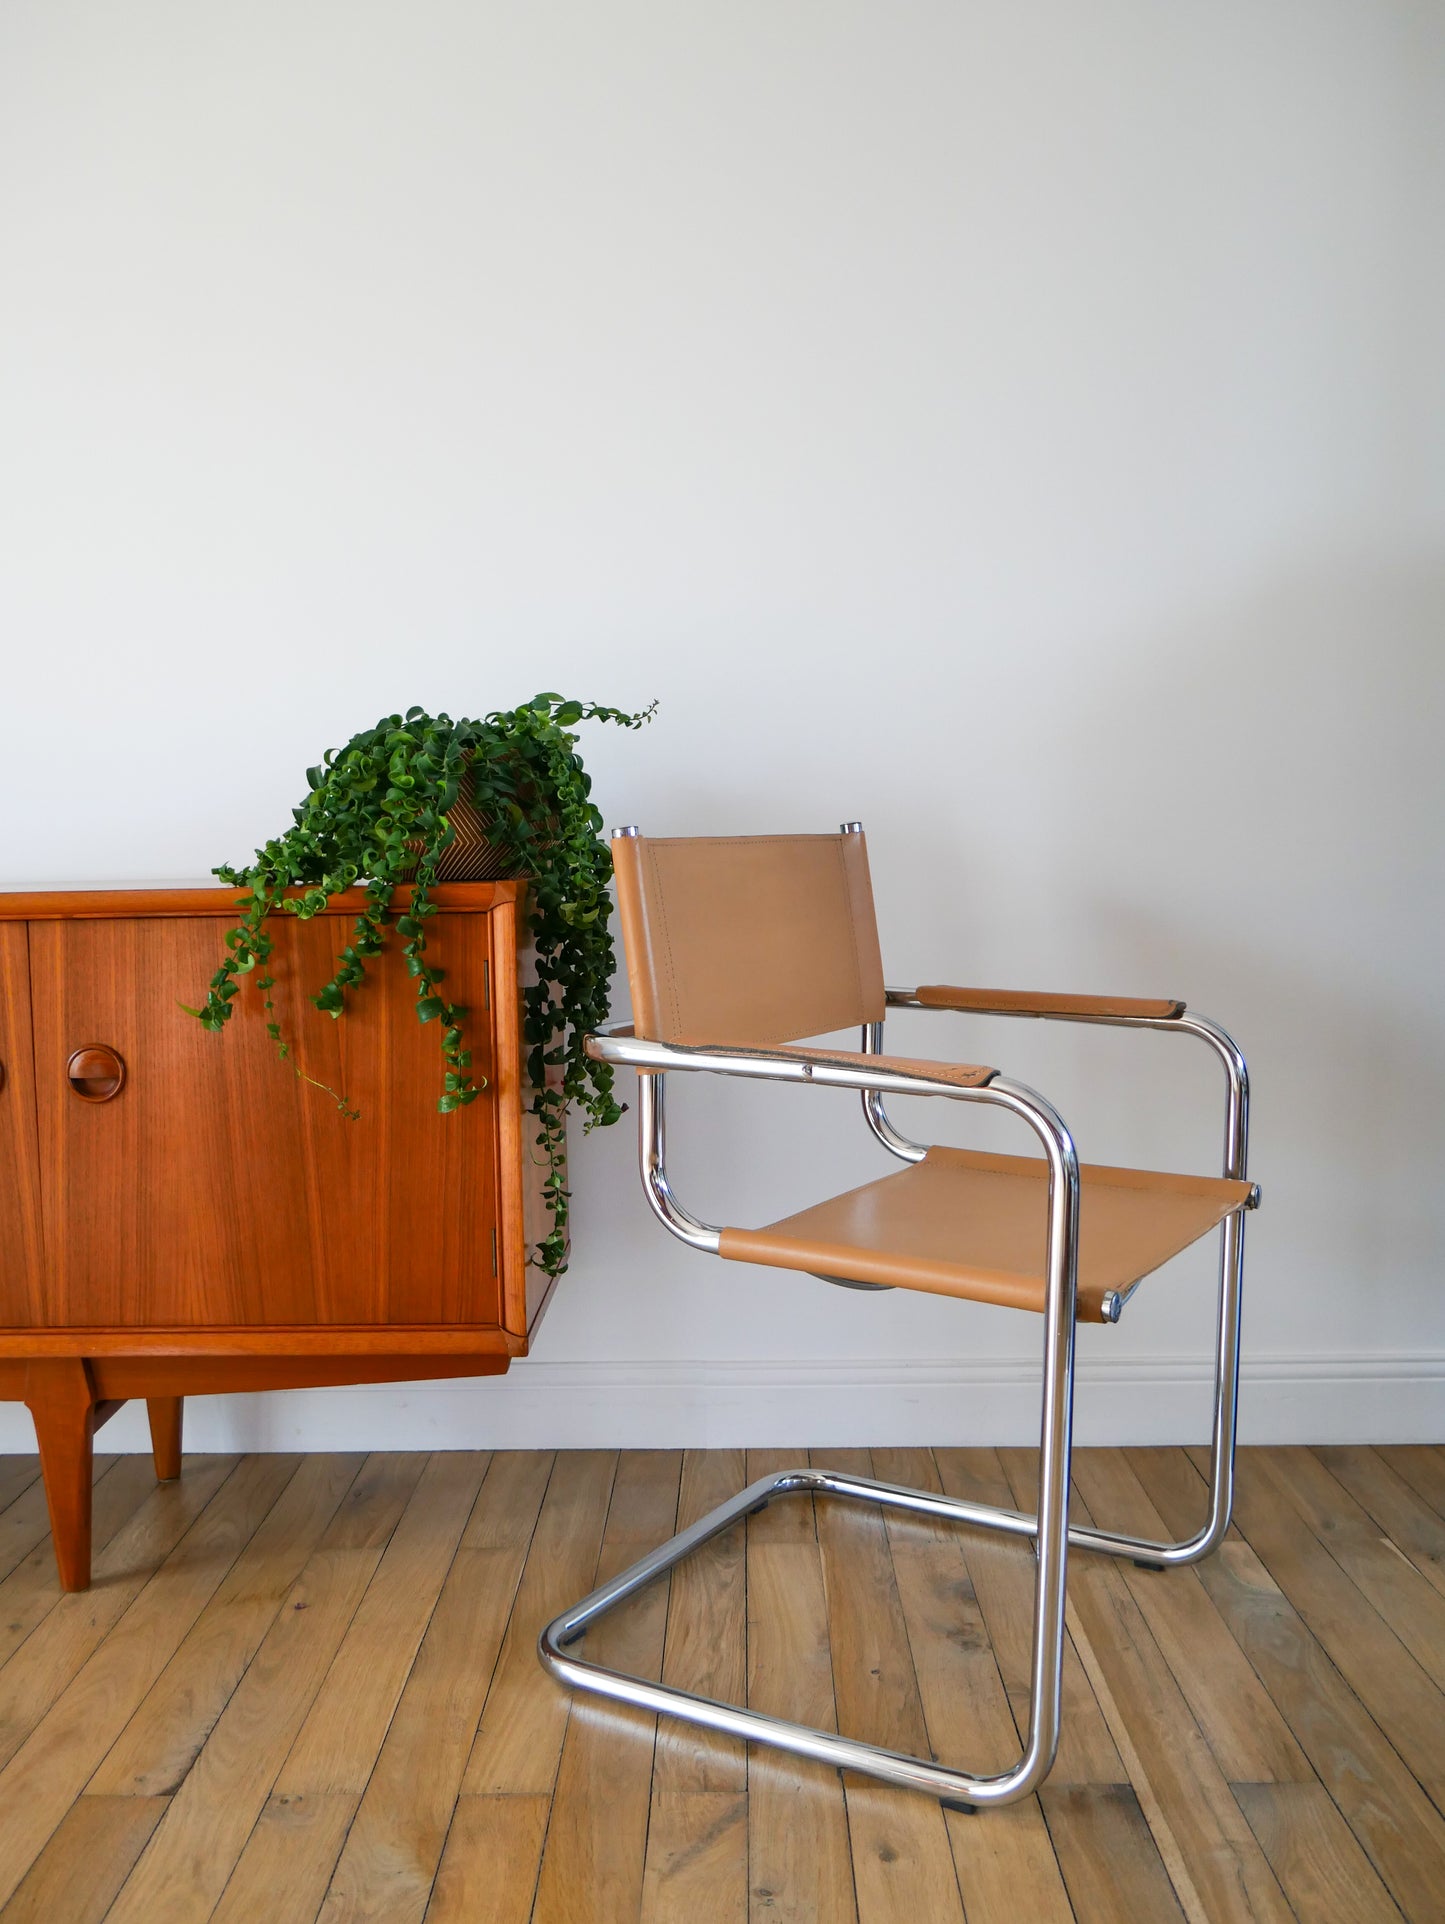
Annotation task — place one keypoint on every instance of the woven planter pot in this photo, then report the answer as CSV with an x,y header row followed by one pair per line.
x,y
470,857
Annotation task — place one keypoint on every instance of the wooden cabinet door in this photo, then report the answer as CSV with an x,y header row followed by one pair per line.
x,y
21,1296
217,1187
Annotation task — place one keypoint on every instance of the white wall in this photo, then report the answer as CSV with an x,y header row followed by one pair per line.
x,y
1017,427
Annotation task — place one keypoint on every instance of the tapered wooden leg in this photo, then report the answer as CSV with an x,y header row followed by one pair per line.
x,y
165,1413
61,1399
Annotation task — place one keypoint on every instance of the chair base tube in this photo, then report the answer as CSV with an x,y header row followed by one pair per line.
x,y
557,1650
1049,1531
954,1788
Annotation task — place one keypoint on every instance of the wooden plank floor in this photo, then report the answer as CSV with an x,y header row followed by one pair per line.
x,y
306,1688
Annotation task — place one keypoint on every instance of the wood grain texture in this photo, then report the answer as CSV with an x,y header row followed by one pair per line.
x,y
64,1642
338,1743
150,1213
1406,1599
214,901
799,1864
312,1807
395,1843
275,1700
1399,1827
1002,1570
25,1521
69,1710
902,1864
1422,1466
515,1148
901,1857
75,1878
162,1740
1108,1856
1399,1694
874,1684
1409,1525
287,1859
1322,1869
61,1399
1214,1860
596,1837
966,1707
1251,1741
166,1416
697,1857
17,1474
706,1642
22,1276
136,1150
488,1871
31,1586
697,1833
188,1862
520,1735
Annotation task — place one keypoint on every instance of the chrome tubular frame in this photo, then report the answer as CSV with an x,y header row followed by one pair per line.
x,y
652,1155
1050,1529
1225,1420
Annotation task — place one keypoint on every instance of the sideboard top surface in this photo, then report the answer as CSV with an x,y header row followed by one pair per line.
x,y
141,899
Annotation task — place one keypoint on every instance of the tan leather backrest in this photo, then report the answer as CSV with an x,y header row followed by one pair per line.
x,y
754,939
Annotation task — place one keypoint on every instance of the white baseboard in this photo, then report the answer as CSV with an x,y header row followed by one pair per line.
x,y
1396,1397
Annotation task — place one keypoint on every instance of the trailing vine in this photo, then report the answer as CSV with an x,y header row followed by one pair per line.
x,y
377,813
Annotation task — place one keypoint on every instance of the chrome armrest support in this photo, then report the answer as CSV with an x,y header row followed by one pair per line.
x,y
1236,1128
617,1044
1224,1423
876,1116
652,1159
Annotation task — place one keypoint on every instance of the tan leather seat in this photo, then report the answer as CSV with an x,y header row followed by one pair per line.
x,y
964,1223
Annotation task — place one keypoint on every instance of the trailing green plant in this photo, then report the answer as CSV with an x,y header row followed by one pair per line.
x,y
377,815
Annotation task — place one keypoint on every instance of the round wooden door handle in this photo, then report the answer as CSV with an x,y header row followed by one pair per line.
x,y
96,1073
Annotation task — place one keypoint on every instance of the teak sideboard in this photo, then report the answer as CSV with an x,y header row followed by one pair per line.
x,y
181,1214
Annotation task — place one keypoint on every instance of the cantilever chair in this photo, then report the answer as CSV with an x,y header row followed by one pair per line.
x,y
737,947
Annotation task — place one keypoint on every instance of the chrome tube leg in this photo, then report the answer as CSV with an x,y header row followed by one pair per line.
x,y
1225,1419
956,1788
1231,1287
1226,1386
1055,1463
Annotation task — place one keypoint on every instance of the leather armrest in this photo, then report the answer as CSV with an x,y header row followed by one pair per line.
x,y
1024,1002
966,1075
617,1043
